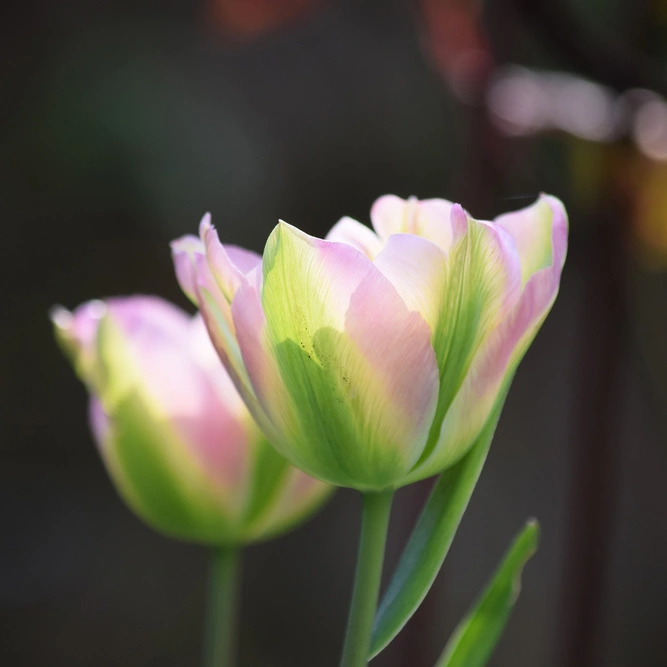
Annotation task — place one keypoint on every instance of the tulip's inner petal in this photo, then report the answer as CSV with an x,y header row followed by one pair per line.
x,y
392,215
417,268
244,260
349,231
356,364
531,230
481,285
500,354
430,218
183,252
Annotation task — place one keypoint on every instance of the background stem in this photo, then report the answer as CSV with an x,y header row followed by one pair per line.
x,y
374,524
221,614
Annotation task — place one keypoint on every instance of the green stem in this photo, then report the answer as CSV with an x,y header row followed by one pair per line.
x,y
220,640
374,524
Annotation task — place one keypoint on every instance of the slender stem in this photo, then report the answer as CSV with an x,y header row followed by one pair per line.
x,y
374,524
220,639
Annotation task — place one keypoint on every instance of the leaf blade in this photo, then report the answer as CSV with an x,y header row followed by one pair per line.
x,y
475,637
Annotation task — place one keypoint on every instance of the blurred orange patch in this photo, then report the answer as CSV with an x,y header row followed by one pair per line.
x,y
251,18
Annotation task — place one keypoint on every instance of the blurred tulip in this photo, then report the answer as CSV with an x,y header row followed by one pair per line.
x,y
174,434
374,359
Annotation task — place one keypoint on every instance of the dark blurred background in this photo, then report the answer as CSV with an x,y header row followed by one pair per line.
x,y
123,122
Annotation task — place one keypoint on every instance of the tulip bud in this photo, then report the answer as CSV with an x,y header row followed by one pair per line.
x,y
176,438
373,359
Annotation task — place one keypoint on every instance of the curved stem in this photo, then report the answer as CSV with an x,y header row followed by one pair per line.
x,y
374,524
221,614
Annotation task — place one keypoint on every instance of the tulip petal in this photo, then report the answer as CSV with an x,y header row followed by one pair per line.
x,y
355,362
183,252
531,230
429,218
99,422
499,355
217,315
417,268
349,231
171,360
481,285
258,362
228,264
297,498
152,466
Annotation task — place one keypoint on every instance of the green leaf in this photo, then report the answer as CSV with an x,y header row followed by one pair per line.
x,y
431,538
475,637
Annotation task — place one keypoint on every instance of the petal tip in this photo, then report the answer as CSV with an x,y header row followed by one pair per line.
x,y
187,244
184,252
205,224
458,218
61,318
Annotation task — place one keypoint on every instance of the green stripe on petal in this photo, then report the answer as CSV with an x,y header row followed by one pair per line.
x,y
356,364
500,354
153,469
481,284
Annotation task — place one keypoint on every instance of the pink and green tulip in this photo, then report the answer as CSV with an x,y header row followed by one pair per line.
x,y
176,438
373,359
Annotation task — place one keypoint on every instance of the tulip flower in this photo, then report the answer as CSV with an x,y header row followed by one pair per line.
x,y
373,359
176,438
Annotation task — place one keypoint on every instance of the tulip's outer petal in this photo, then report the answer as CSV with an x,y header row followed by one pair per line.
x,y
271,406
481,286
429,218
217,315
228,264
174,363
153,468
278,496
298,496
76,334
531,230
500,354
356,364
99,422
183,252
349,231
